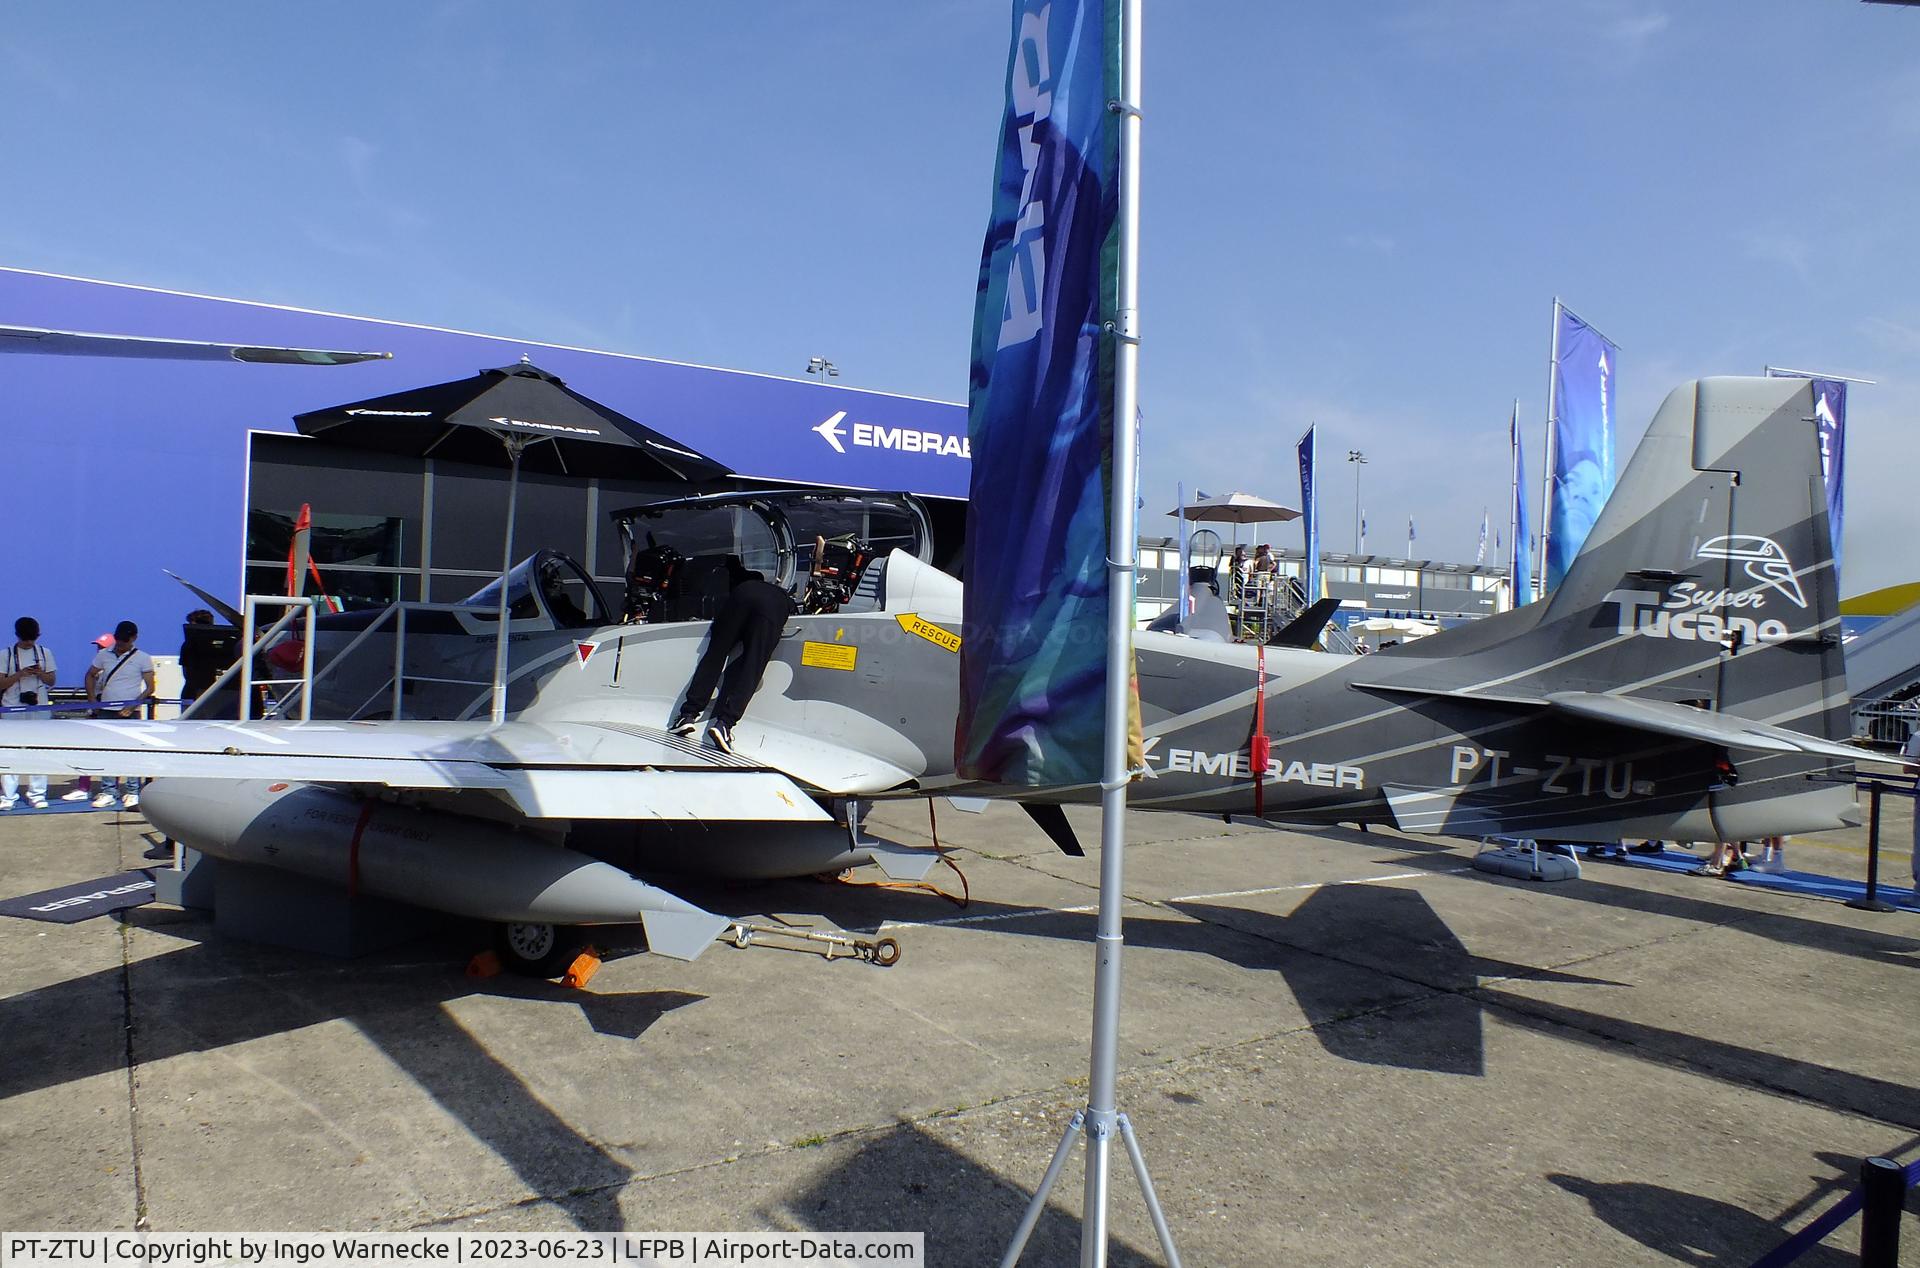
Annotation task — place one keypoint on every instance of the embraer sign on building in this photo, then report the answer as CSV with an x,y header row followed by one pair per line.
x,y
836,431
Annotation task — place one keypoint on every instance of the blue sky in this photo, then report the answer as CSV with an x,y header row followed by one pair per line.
x,y
1356,214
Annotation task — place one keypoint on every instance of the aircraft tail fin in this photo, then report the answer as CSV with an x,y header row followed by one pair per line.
x,y
1707,579
1709,575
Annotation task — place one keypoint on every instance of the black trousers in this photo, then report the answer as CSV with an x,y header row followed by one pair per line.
x,y
749,622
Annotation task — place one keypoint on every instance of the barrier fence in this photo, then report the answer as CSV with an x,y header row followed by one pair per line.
x,y
1882,1196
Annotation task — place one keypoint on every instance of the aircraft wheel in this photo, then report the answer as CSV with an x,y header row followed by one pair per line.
x,y
533,950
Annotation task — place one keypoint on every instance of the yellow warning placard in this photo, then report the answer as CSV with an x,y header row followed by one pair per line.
x,y
829,655
946,640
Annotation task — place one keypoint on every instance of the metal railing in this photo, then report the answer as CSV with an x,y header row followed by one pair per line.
x,y
249,621
394,688
1885,721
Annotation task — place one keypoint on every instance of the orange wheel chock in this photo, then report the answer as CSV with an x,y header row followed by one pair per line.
x,y
486,964
581,971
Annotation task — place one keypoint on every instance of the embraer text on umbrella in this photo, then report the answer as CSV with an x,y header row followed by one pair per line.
x,y
323,1250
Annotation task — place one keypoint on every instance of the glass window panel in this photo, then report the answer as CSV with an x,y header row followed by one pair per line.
x,y
369,503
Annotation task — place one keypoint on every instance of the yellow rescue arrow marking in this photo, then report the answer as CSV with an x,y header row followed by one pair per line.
x,y
945,640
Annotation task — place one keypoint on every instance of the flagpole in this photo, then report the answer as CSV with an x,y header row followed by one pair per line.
x,y
1546,451
1101,1121
1103,1117
1513,508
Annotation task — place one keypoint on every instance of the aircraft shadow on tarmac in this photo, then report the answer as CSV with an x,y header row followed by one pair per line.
x,y
1691,1229
1346,951
204,998
1775,926
1349,953
906,1180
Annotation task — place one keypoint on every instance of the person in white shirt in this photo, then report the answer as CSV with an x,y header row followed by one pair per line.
x,y
121,674
26,672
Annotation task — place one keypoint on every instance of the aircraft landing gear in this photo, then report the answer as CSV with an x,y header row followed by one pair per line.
x,y
533,950
884,952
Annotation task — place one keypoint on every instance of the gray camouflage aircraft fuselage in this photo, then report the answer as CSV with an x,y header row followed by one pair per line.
x,y
1684,682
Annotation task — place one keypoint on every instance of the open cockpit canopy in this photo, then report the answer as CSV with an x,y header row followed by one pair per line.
x,y
827,548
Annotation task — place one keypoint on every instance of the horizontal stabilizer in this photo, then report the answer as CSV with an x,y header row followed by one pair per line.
x,y
1685,722
1053,821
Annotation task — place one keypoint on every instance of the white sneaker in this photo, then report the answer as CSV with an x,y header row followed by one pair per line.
x,y
36,801
104,801
129,801
8,803
75,794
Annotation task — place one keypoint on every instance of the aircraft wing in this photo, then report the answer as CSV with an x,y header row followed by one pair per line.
x,y
545,770
1658,717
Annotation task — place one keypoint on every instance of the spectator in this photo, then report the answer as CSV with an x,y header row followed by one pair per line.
x,y
1727,860
1263,561
202,658
122,674
26,672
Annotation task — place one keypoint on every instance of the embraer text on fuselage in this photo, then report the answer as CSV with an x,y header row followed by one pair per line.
x,y
1237,765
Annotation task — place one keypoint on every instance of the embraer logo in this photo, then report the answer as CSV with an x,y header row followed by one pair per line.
x,y
904,439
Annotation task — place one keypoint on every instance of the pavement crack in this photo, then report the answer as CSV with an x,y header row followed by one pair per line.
x,y
140,1213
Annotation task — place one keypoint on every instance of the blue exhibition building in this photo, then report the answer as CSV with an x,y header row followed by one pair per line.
x,y
121,469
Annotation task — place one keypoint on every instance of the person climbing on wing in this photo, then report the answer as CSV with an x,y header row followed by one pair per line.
x,y
749,623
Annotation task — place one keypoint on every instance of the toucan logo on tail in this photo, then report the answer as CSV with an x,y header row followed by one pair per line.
x,y
1766,562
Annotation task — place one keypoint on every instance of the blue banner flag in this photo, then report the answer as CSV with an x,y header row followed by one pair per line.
x,y
1582,437
1309,453
1033,655
1830,408
1521,570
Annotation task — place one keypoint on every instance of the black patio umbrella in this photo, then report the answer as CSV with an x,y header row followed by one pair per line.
x,y
524,415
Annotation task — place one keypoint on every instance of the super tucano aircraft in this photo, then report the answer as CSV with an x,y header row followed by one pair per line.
x,y
1684,681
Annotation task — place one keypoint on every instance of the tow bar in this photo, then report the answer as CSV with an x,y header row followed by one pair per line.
x,y
884,952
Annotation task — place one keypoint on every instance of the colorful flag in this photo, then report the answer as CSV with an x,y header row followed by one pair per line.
x,y
1409,539
1520,569
1581,436
1308,452
1480,556
1033,656
1830,407
1361,548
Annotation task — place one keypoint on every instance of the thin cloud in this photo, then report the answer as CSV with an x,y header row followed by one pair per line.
x,y
1772,246
1892,335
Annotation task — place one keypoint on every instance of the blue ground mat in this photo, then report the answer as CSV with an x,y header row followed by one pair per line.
x,y
55,806
72,903
1806,884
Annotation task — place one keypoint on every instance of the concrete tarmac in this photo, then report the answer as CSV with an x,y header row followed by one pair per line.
x,y
1338,1048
